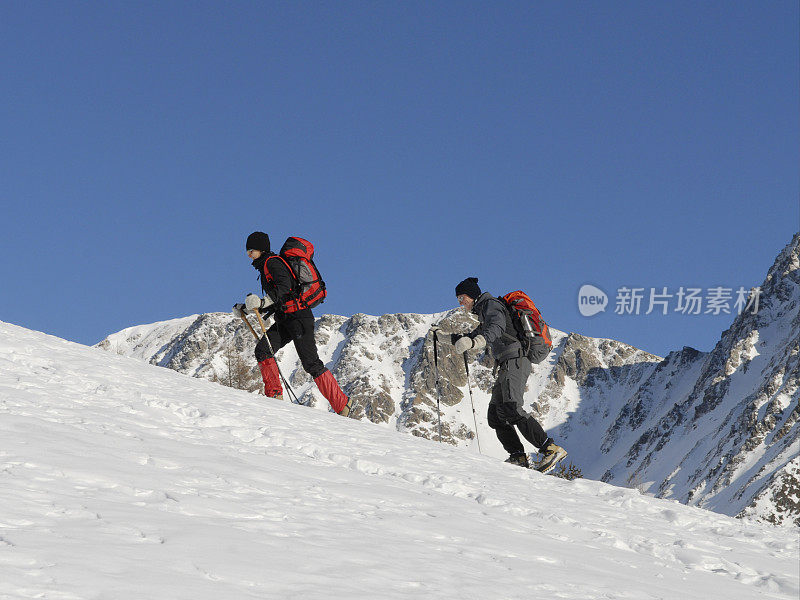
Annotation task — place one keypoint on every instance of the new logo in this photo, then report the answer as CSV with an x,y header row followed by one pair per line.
x,y
591,300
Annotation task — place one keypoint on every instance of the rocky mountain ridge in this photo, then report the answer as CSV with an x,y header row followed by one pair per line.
x,y
717,430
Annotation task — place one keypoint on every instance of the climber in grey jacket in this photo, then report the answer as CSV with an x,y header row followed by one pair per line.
x,y
506,407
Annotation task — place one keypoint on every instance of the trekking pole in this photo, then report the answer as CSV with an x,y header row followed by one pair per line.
x,y
438,389
250,327
266,337
474,418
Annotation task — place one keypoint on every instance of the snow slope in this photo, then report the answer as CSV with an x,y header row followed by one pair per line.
x,y
123,480
719,430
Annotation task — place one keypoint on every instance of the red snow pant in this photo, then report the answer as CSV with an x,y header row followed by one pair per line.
x,y
300,330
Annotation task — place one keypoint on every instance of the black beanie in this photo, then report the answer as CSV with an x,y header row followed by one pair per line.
x,y
469,287
258,240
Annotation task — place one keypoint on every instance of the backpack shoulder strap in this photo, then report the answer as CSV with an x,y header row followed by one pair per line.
x,y
510,332
288,266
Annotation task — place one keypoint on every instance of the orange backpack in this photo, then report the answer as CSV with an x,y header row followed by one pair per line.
x,y
532,332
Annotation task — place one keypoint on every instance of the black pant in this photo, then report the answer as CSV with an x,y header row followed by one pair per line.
x,y
506,408
301,331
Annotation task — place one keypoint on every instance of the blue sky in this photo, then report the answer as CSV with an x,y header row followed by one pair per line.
x,y
535,145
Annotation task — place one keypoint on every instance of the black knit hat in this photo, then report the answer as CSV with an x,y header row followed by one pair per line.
x,y
469,287
258,240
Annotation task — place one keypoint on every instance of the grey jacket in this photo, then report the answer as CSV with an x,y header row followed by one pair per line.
x,y
495,323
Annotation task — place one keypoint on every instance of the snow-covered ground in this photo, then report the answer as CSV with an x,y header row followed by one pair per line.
x,y
121,480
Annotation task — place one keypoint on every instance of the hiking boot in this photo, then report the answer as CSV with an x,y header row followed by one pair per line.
x,y
520,459
552,455
345,412
276,397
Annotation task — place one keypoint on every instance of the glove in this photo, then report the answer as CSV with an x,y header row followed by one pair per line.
x,y
467,343
463,344
253,302
238,310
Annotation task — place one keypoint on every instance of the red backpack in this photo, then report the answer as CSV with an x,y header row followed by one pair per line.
x,y
532,332
309,289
